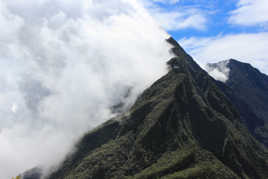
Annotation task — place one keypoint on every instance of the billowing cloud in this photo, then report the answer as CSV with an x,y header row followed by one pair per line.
x,y
250,12
250,48
64,64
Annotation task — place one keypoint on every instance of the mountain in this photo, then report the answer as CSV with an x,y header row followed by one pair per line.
x,y
183,127
34,173
247,88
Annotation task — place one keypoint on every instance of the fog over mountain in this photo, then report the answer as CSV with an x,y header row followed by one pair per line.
x,y
185,125
64,65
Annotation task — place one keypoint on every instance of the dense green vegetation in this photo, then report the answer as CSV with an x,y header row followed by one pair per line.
x,y
182,127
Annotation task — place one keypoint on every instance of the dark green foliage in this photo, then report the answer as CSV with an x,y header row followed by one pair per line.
x,y
247,87
181,127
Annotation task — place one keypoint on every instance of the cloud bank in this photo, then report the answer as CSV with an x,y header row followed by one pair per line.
x,y
64,64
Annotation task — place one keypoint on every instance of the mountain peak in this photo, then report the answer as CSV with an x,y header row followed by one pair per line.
x,y
222,70
182,126
248,91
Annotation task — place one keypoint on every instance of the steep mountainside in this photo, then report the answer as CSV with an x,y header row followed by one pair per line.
x,y
248,90
181,127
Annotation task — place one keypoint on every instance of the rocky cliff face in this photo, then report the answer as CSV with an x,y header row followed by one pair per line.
x,y
247,88
183,126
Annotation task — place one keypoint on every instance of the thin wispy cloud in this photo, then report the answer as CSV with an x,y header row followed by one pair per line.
x,y
246,47
167,1
212,31
172,21
176,17
250,12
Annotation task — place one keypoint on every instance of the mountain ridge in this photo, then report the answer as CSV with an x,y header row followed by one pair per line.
x,y
183,126
247,88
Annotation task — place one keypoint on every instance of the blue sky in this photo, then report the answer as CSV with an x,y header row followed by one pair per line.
x,y
215,30
217,15
214,12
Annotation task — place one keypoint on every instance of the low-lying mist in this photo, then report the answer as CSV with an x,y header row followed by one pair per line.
x,y
63,65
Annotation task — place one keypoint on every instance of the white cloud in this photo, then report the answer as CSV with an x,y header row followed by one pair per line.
x,y
219,71
175,20
178,17
251,48
64,64
167,1
250,12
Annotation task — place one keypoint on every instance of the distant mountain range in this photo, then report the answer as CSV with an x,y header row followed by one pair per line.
x,y
187,125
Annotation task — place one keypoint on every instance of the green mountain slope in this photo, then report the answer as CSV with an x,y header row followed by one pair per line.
x,y
247,87
183,126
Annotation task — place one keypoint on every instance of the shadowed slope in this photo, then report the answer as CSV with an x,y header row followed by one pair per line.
x,y
183,126
247,87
